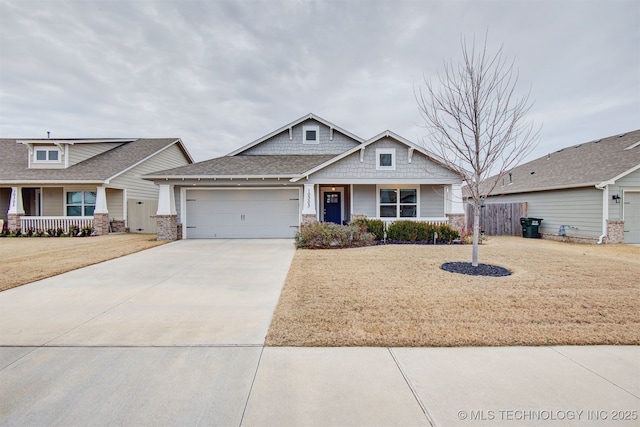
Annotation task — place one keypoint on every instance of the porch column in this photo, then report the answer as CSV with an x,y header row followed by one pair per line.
x,y
101,213
16,209
455,206
167,216
309,204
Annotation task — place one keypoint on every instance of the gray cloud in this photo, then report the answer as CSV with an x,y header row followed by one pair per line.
x,y
220,74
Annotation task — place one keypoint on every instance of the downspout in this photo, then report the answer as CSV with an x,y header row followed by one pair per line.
x,y
604,186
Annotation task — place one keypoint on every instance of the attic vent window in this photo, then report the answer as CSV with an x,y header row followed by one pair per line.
x,y
386,159
310,134
47,155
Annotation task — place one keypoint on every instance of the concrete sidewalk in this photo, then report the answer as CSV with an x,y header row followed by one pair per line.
x,y
173,336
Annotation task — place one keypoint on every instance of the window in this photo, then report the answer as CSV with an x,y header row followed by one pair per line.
x,y
385,159
310,134
81,203
398,203
51,155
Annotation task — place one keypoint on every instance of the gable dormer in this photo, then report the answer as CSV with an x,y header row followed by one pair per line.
x,y
308,135
63,153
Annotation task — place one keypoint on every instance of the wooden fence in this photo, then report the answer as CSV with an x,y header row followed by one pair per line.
x,y
499,219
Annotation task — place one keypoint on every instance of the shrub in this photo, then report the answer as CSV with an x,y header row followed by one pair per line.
x,y
416,231
325,235
374,226
447,233
402,231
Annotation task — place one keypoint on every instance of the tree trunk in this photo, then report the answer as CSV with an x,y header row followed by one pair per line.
x,y
476,235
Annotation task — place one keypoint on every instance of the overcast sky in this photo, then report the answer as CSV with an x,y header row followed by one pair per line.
x,y
220,74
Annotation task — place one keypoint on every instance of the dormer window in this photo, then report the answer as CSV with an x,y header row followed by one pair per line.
x,y
47,155
311,134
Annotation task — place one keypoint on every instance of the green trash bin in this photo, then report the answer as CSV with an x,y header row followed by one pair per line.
x,y
530,227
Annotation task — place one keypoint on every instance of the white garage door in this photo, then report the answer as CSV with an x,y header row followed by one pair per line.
x,y
631,217
242,213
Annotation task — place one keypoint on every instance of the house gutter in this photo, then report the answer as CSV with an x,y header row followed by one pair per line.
x,y
604,186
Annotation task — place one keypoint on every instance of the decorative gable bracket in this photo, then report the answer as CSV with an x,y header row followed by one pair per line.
x,y
410,153
362,154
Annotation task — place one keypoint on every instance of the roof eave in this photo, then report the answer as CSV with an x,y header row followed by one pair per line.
x,y
538,189
617,177
18,182
215,177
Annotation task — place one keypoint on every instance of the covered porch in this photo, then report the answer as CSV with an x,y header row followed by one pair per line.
x,y
52,208
341,203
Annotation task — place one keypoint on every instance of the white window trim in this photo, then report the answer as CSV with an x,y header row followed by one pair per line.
x,y
304,134
47,150
398,188
391,151
82,204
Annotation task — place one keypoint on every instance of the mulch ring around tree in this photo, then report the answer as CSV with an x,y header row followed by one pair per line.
x,y
480,270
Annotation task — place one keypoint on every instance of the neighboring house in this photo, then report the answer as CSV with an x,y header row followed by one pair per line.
x,y
308,170
51,183
590,191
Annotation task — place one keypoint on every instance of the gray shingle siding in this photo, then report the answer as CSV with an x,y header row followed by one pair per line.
x,y
351,168
281,144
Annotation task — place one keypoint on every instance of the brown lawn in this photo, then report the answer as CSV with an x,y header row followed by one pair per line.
x,y
27,259
559,293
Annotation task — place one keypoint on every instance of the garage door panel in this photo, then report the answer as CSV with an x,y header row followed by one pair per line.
x,y
631,217
246,213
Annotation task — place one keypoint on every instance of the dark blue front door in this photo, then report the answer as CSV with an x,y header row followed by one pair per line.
x,y
332,207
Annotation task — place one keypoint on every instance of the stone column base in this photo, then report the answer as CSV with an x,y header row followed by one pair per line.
x,y
615,232
167,227
100,224
457,221
117,226
308,218
13,222
180,231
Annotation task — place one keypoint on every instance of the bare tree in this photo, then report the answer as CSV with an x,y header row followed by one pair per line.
x,y
476,123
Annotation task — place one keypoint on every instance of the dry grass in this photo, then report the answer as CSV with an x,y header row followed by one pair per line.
x,y
559,293
27,259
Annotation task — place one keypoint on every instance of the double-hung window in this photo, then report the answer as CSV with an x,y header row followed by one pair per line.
x,y
398,202
81,203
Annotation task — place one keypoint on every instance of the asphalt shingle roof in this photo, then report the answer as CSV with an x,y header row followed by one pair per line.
x,y
265,165
580,165
14,161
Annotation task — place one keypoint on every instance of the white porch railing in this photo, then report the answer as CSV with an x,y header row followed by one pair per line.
x,y
45,223
432,220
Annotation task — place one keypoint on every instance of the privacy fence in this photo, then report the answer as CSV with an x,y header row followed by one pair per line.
x,y
499,219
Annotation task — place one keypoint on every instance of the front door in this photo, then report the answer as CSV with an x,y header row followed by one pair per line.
x,y
332,207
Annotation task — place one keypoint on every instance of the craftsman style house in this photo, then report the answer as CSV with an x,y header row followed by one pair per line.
x,y
58,183
308,170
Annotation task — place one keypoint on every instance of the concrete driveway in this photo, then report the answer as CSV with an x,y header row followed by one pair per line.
x,y
192,292
173,336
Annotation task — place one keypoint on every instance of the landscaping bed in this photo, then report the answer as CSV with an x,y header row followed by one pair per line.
x,y
398,295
